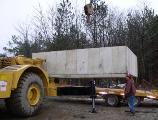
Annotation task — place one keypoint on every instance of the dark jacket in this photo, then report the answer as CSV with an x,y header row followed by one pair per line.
x,y
129,88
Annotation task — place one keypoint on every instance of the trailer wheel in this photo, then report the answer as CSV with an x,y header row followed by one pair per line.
x,y
27,99
112,100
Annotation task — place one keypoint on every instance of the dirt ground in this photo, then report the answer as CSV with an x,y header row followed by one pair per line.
x,y
74,108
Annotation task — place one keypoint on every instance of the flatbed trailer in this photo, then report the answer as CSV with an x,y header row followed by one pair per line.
x,y
113,96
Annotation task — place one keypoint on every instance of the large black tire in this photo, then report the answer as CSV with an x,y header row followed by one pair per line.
x,y
19,104
112,100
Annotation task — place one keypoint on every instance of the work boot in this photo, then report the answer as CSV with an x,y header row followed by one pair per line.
x,y
133,113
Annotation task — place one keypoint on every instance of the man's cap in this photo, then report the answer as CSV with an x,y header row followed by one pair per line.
x,y
128,75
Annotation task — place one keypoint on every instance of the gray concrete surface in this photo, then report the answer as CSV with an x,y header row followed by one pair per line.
x,y
68,108
90,63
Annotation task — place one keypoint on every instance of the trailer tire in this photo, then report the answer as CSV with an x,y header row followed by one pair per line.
x,y
27,99
112,100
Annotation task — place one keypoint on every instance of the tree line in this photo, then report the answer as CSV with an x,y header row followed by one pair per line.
x,y
63,29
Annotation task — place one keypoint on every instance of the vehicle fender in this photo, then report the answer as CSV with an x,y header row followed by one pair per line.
x,y
19,70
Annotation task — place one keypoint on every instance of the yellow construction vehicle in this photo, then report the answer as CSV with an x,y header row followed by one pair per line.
x,y
23,84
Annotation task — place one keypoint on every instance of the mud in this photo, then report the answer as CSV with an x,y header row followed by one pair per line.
x,y
75,108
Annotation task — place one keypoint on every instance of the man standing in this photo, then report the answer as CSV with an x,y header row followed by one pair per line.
x,y
129,92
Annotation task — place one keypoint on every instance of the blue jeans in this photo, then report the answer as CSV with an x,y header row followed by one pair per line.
x,y
131,100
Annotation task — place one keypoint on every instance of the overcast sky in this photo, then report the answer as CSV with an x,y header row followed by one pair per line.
x,y
14,12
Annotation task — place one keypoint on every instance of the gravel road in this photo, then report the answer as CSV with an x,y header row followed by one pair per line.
x,y
75,108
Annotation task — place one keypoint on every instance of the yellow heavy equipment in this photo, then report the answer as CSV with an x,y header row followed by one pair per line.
x,y
23,84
